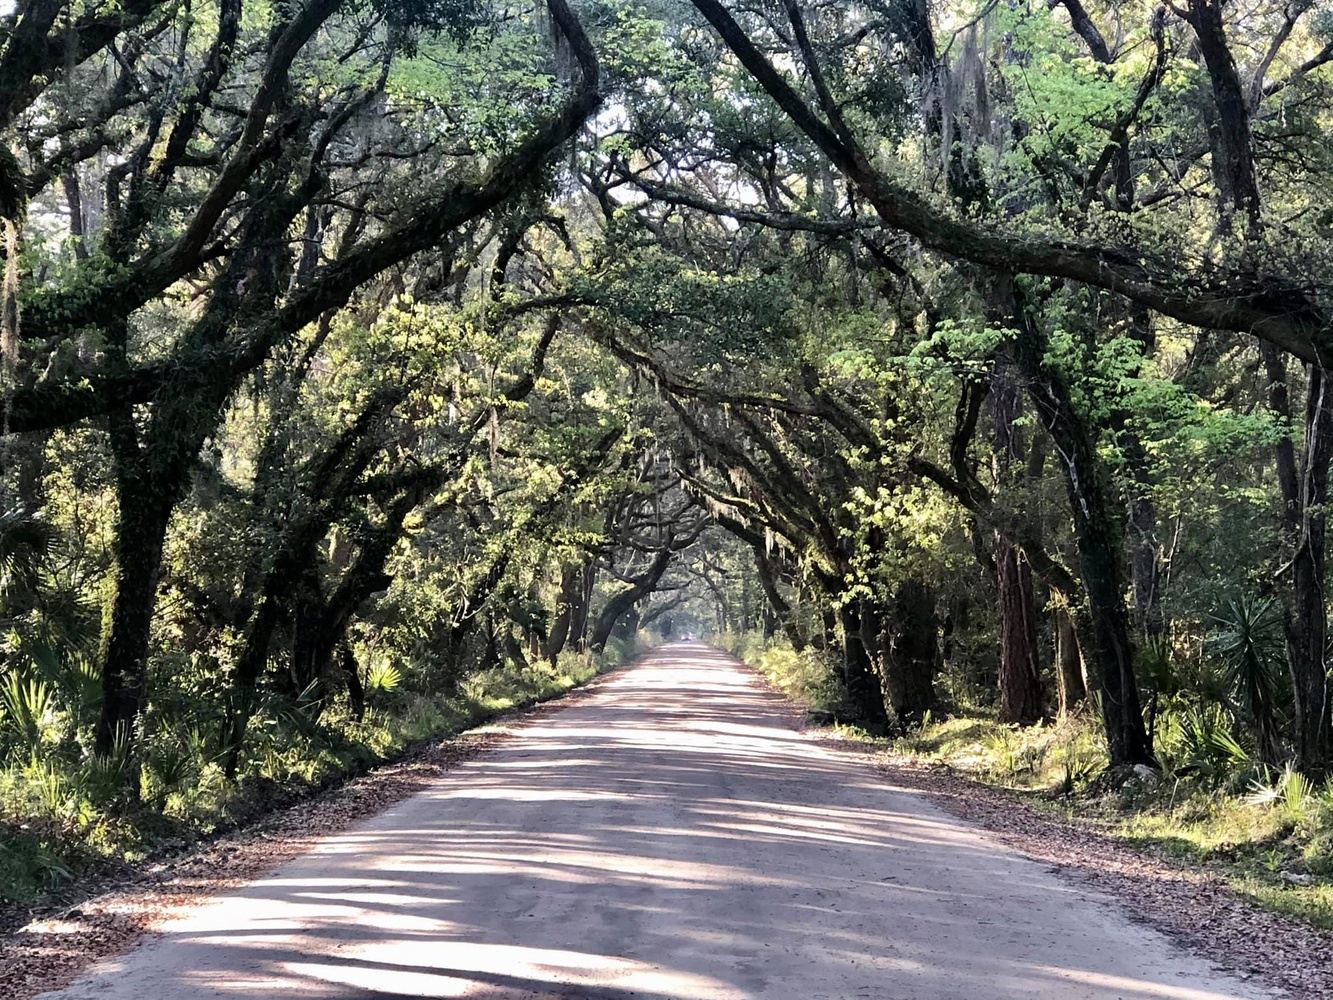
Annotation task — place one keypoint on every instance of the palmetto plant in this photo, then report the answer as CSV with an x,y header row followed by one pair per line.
x,y
1248,641
383,677
50,633
1292,792
52,788
81,685
60,637
1206,746
25,543
26,706
106,776
173,765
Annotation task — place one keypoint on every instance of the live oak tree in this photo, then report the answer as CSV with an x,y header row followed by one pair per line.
x,y
285,157
1094,203
975,350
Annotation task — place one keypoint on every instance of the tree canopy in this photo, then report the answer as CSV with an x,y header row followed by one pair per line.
x,y
354,348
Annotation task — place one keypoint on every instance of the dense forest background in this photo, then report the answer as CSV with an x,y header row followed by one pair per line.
x,y
369,365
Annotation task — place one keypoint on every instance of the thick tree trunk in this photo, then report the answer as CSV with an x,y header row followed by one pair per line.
x,y
513,649
859,676
151,477
1108,621
628,626
145,511
154,467
356,691
571,579
913,655
1233,159
622,602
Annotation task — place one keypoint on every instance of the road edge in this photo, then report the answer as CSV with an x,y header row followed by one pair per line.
x,y
64,939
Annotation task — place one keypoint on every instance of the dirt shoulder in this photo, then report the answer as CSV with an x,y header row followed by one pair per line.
x,y
1192,905
55,943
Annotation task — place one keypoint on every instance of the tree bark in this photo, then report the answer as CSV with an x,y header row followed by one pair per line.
x,y
578,624
1303,488
860,678
1070,682
1097,536
1019,670
623,601
141,531
571,578
1019,673
512,648
913,654
1233,160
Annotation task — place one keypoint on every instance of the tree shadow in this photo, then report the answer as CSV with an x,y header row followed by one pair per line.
x,y
672,835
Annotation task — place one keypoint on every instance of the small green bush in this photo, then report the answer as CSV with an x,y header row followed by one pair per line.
x,y
806,677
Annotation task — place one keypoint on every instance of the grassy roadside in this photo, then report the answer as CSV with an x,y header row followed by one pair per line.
x,y
56,829
1268,834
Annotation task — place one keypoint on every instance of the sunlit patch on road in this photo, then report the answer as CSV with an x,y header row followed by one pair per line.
x,y
672,836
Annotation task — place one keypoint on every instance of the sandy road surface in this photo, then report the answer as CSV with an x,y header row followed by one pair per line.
x,y
669,836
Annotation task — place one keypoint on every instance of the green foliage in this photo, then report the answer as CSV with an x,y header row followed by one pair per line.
x,y
1268,833
1291,793
383,677
459,18
525,378
1250,644
61,816
172,765
1198,741
807,677
25,544
26,710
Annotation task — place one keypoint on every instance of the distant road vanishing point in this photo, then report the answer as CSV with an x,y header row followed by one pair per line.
x,y
672,834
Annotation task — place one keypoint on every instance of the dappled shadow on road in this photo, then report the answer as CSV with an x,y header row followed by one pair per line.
x,y
671,836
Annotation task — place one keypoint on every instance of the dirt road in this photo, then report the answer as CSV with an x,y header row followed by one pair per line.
x,y
671,835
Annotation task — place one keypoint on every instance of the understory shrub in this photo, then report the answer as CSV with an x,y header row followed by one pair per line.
x,y
806,676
